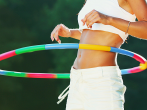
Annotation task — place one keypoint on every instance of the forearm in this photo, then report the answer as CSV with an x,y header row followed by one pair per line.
x,y
137,29
75,33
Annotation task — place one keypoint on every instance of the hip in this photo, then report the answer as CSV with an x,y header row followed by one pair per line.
x,y
98,79
105,83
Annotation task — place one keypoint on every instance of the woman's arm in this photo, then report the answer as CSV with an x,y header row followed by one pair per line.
x,y
75,33
63,31
137,29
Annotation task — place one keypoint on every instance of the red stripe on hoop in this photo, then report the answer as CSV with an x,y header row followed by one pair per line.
x,y
135,70
138,58
41,75
7,55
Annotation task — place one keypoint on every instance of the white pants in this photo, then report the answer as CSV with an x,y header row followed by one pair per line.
x,y
99,88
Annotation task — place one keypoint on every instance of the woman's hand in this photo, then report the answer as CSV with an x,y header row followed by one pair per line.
x,y
60,30
95,17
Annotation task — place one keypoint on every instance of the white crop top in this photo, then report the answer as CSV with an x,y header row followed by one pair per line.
x,y
107,7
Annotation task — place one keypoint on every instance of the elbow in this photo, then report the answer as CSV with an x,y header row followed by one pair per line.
x,y
143,32
143,35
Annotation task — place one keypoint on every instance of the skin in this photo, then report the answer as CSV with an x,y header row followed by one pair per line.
x,y
93,58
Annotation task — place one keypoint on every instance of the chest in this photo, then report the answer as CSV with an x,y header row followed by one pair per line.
x,y
115,8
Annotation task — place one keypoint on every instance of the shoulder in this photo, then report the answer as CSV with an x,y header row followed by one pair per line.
x,y
139,8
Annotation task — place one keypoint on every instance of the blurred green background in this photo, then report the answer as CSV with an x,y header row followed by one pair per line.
x,y
30,22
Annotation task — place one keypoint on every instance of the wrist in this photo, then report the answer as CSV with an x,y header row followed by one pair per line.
x,y
75,33
109,20
70,33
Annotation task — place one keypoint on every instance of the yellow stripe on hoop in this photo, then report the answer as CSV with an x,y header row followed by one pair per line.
x,y
94,47
143,66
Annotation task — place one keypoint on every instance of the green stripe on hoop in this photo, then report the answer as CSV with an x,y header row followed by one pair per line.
x,y
66,76
30,49
16,74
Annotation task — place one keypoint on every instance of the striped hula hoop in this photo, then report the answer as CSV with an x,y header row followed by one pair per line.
x,y
143,63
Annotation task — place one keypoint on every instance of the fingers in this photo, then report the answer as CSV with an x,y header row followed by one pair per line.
x,y
91,21
54,34
57,37
52,38
91,18
86,16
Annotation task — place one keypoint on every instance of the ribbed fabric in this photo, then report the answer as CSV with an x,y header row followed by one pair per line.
x,y
108,7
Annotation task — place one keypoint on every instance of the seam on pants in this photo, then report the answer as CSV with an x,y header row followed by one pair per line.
x,y
112,105
102,73
82,89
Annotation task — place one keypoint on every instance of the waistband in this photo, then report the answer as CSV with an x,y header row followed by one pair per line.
x,y
104,71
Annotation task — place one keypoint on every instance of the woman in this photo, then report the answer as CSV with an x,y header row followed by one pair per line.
x,y
96,82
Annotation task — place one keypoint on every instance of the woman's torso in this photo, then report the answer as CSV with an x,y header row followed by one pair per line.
x,y
95,58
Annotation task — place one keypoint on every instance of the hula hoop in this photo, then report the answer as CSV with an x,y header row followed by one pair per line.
x,y
143,63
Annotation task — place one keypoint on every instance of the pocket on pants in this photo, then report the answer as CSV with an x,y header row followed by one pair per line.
x,y
118,89
105,93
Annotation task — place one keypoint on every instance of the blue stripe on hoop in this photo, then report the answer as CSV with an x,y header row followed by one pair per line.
x,y
124,71
122,51
2,72
61,46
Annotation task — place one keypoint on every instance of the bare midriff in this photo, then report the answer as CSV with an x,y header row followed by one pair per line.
x,y
95,58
